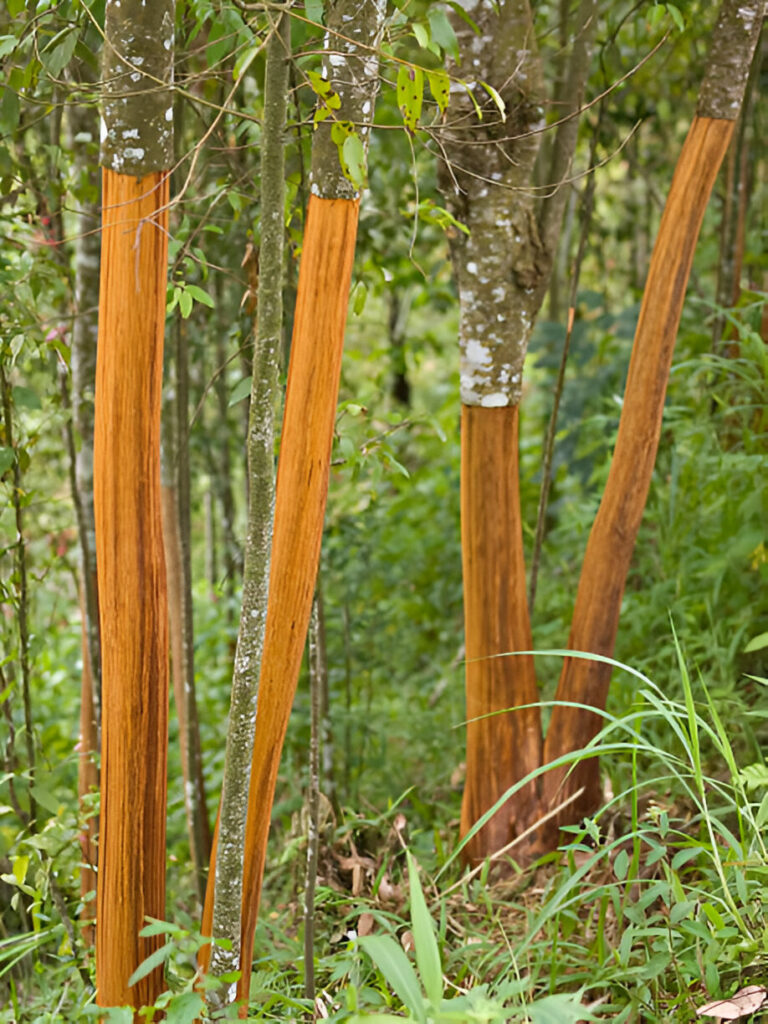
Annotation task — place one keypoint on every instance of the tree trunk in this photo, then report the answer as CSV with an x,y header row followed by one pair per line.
x,y
176,541
225,880
612,538
502,744
503,267
83,361
136,150
308,423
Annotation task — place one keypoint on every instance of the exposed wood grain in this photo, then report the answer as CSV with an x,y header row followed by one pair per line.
x,y
612,538
132,585
300,497
502,748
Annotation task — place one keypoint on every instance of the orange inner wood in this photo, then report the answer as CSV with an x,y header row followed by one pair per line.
x,y
503,747
132,584
300,498
612,538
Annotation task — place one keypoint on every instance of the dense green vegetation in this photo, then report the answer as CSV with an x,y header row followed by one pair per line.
x,y
653,908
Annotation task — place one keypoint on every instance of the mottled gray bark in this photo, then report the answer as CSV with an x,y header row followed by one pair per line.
x,y
730,56
137,111
503,265
228,890
351,65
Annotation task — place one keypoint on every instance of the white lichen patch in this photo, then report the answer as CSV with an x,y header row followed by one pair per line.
x,y
476,352
496,400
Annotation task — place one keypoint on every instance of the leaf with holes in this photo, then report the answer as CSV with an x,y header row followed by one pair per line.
x,y
410,95
440,87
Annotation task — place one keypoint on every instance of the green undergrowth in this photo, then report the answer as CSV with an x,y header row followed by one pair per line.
x,y
653,908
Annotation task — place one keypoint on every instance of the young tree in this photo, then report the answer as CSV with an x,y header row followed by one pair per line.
x,y
612,538
351,71
137,150
503,267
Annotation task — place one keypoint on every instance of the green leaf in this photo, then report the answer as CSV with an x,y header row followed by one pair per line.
x,y
421,32
15,7
674,12
359,296
500,104
313,9
757,643
157,927
442,32
20,865
410,94
681,910
324,91
184,1008
185,303
397,970
152,961
45,798
621,865
427,952
58,53
353,160
240,391
558,1009
7,459
7,45
200,296
245,60
440,87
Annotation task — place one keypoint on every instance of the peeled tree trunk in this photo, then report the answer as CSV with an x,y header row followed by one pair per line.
x,y
502,265
351,69
137,150
612,538
503,748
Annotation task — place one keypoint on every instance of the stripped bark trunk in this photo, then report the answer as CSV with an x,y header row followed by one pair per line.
x,y
612,538
136,151
354,28
503,267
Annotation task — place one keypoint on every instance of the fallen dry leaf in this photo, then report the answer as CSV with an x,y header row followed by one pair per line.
x,y
365,923
740,1004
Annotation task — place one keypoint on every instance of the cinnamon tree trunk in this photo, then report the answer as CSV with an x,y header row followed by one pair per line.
x,y
612,538
136,151
502,266
325,274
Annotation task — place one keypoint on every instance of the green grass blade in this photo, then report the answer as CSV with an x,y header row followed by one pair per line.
x,y
397,970
427,952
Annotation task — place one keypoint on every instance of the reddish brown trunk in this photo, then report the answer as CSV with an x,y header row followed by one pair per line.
x,y
300,497
504,744
132,586
612,539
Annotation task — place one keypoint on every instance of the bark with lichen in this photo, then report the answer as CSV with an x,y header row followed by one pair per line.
x,y
226,880
503,265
